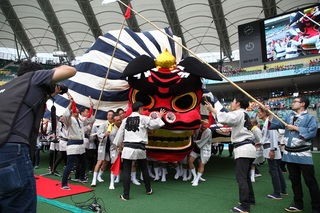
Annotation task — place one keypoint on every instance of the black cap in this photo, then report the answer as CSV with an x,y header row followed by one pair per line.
x,y
136,106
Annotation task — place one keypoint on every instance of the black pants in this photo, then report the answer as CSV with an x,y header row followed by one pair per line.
x,y
91,155
52,157
61,156
230,148
127,175
283,164
246,194
308,174
71,160
220,147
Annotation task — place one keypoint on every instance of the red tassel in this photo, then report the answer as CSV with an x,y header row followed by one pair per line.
x,y
115,168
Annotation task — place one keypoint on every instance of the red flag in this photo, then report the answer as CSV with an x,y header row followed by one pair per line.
x,y
128,12
115,168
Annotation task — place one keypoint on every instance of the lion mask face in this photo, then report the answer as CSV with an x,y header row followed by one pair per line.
x,y
179,92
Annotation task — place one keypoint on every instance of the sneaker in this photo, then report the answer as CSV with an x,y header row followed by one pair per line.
x,y
238,209
36,167
65,188
284,193
122,198
83,180
100,179
150,192
55,172
293,209
257,175
136,182
274,197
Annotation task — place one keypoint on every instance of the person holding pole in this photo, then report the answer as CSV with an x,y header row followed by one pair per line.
x,y
301,127
244,148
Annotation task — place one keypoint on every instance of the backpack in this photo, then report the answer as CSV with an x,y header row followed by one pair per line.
x,y
12,96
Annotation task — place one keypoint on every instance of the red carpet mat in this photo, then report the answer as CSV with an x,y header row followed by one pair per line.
x,y
50,189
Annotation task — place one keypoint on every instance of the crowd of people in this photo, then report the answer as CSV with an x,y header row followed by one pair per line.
x,y
262,144
101,150
314,62
299,129
83,146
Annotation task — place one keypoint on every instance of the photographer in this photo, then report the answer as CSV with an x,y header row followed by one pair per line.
x,y
21,113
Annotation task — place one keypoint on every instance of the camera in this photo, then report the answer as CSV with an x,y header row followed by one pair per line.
x,y
63,88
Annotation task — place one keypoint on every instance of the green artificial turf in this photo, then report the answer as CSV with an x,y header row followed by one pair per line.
x,y
218,194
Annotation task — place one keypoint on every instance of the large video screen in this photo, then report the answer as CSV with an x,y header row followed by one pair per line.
x,y
292,35
284,37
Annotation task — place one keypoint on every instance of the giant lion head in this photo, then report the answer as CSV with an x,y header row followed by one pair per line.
x,y
177,88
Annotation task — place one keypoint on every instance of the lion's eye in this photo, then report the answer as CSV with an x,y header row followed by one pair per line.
x,y
147,100
184,102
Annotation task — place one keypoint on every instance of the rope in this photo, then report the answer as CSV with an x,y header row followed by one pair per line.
x,y
220,74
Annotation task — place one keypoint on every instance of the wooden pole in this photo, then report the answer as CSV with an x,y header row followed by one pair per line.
x,y
214,69
106,78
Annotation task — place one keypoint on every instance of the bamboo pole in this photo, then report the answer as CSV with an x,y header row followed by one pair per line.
x,y
215,70
106,77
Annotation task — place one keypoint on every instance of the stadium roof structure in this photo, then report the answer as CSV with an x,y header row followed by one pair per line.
x,y
71,26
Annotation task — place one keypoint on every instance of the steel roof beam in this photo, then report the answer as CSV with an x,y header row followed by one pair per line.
x,y
221,26
17,27
90,17
269,8
56,27
132,21
173,19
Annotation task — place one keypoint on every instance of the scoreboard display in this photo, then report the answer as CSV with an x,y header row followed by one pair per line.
x,y
283,37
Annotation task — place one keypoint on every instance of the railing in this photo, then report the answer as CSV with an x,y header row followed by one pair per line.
x,y
267,74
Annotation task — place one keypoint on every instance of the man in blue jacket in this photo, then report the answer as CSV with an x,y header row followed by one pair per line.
x,y
300,128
